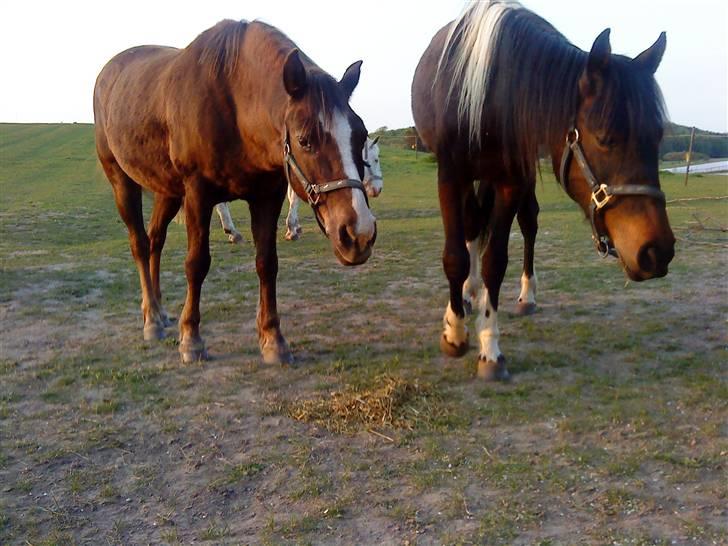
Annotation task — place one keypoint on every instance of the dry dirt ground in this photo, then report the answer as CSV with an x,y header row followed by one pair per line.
x,y
613,430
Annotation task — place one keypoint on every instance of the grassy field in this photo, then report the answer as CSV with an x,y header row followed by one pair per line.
x,y
613,430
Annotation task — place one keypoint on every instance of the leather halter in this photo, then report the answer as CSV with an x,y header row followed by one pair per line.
x,y
601,194
314,191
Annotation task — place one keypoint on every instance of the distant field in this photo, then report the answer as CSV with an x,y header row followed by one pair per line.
x,y
612,431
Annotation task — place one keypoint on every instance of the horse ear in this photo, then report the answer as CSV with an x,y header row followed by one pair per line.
x,y
651,57
600,53
294,75
376,139
598,60
350,79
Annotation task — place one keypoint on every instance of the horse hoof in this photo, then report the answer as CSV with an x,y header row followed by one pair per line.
x,y
194,355
154,332
468,306
275,358
493,371
193,352
525,309
454,351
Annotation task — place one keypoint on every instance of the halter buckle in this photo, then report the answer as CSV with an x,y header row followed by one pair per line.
x,y
601,196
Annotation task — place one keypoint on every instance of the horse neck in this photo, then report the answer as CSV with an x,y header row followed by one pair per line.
x,y
256,87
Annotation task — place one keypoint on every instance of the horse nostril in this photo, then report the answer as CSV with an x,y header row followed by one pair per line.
x,y
653,259
345,236
647,259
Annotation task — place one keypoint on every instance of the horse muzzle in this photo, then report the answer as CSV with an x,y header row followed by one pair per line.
x,y
351,248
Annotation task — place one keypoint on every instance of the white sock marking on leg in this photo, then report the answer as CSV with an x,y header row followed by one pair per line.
x,y
488,333
456,333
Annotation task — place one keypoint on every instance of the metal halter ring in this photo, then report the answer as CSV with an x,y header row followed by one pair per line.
x,y
573,132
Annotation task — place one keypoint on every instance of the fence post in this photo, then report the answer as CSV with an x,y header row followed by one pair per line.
x,y
690,155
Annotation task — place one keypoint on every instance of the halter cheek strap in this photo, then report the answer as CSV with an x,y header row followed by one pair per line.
x,y
314,191
601,194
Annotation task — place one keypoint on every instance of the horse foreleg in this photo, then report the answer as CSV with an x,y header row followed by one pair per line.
x,y
455,261
223,211
198,212
264,217
165,208
528,222
293,227
491,362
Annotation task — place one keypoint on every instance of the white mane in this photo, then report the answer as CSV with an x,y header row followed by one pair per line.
x,y
476,33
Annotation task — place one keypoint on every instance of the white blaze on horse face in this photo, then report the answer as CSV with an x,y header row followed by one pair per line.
x,y
454,329
528,289
488,333
341,131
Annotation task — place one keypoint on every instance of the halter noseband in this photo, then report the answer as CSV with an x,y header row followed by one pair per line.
x,y
601,194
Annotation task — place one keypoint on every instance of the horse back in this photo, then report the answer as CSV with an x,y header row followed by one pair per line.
x,y
162,117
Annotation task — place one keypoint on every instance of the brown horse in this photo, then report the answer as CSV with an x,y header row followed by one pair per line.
x,y
493,88
234,115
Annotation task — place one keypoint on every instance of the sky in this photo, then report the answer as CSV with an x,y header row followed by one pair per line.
x,y
51,51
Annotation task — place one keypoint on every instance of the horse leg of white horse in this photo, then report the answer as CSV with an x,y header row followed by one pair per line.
x,y
293,227
223,211
472,283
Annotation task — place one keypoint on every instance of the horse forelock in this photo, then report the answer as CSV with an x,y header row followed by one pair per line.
x,y
630,103
323,99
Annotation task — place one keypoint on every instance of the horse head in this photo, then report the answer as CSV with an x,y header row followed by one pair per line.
x,y
373,181
323,142
610,160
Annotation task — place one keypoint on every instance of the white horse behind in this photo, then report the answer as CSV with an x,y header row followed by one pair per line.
x,y
373,183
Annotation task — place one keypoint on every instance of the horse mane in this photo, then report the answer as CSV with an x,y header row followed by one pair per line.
x,y
218,47
515,74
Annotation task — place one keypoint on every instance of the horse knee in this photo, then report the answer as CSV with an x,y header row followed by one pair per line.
x,y
456,264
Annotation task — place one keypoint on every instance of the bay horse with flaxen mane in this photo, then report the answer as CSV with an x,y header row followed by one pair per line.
x,y
496,85
240,113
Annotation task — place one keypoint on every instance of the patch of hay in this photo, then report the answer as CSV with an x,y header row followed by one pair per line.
x,y
391,402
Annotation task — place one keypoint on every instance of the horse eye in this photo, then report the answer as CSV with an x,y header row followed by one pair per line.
x,y
304,143
605,141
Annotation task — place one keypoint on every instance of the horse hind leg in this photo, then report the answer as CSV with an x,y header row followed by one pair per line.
x,y
491,362
475,218
164,210
226,220
528,222
128,197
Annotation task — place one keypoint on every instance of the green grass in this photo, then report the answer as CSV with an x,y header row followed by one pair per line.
x,y
617,409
